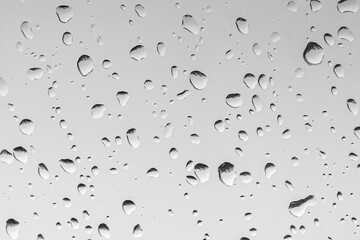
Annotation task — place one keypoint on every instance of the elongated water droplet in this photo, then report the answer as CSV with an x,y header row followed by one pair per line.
x,y
67,165
133,138
123,97
104,230
6,156
161,49
67,38
242,25
256,103
64,13
43,171
198,80
269,169
227,174
313,53
329,39
26,30
357,132
20,154
352,106
189,23
140,10
85,65
12,228
298,208
234,100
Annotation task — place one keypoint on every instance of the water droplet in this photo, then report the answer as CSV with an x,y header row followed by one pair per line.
x,y
27,127
202,172
12,228
26,30
219,125
64,13
20,154
315,5
153,173
137,231
67,165
298,208
43,171
270,169
329,39
348,6
97,111
246,177
85,65
4,87
345,34
168,128
67,38
198,80
6,156
243,135
140,10
161,49
242,25
189,23
313,53
227,174
250,80
106,64
352,106
35,73
133,138
292,6
357,132
339,70
138,53
256,103
104,230
123,97
287,134
173,153
128,207
234,100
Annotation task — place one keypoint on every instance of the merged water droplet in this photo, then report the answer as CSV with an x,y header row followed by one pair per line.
x,y
35,73
138,53
198,80
133,138
250,80
85,65
64,13
242,25
12,228
189,23
313,54
26,30
227,174
298,208
202,172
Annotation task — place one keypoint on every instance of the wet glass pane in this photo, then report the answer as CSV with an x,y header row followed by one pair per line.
x,y
179,119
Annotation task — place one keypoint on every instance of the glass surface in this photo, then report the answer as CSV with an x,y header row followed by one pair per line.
x,y
179,119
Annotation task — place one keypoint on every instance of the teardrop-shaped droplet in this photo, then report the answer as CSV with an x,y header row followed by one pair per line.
x,y
242,25
269,169
339,70
256,103
227,174
64,13
128,207
298,208
198,80
26,30
67,165
140,10
85,65
313,53
189,23
133,138
97,111
104,230
234,100
12,228
138,53
348,6
27,127
352,106
123,97
4,87
43,171
202,172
